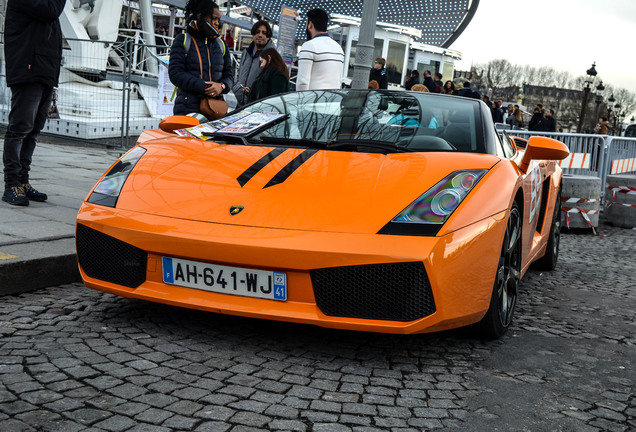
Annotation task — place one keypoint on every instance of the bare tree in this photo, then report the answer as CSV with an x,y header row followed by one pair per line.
x,y
506,80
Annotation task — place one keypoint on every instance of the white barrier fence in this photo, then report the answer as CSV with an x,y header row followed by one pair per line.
x,y
593,155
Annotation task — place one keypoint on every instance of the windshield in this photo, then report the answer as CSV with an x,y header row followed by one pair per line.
x,y
373,121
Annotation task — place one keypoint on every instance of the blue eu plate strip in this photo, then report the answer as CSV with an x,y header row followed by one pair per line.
x,y
168,274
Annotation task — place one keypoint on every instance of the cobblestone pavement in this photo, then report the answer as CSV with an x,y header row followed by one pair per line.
x,y
75,359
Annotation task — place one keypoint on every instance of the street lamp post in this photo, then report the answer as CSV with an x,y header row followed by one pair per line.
x,y
589,80
617,114
599,98
621,125
610,106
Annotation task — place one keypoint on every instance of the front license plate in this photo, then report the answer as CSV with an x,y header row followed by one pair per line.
x,y
224,279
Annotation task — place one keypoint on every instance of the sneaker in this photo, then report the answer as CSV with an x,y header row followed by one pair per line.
x,y
15,195
32,194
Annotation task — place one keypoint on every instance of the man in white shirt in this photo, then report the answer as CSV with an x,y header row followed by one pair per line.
x,y
321,59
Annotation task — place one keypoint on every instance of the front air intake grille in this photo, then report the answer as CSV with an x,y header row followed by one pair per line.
x,y
396,291
106,258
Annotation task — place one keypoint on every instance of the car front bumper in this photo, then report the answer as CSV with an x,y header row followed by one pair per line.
x,y
459,269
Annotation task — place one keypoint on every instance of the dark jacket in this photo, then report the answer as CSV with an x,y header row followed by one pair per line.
x,y
184,70
411,82
469,93
33,41
270,82
428,82
380,76
549,124
497,115
536,123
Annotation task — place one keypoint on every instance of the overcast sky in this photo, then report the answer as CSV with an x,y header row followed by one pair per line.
x,y
567,35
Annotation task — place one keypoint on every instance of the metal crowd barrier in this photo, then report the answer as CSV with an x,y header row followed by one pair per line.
x,y
108,89
601,154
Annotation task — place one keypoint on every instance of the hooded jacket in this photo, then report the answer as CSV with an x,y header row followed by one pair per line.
x,y
33,41
185,69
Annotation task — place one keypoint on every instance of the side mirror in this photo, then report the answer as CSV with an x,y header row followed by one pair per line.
x,y
521,143
543,148
175,122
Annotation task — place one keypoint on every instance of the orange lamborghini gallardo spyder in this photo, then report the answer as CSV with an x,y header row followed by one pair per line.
x,y
371,210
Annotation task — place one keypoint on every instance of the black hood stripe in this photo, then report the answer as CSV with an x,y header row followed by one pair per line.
x,y
259,165
292,166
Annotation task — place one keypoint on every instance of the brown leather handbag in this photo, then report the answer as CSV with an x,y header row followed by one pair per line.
x,y
212,108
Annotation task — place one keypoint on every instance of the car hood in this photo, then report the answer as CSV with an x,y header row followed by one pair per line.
x,y
286,188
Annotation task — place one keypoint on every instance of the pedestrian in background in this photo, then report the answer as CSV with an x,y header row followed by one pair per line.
x,y
33,56
466,91
438,83
202,67
250,66
412,79
449,88
515,120
378,73
420,88
428,80
510,110
229,40
536,121
497,114
321,59
519,116
549,122
602,127
274,76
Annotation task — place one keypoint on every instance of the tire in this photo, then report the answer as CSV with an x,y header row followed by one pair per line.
x,y
549,260
506,287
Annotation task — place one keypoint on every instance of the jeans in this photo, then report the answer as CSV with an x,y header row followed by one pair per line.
x,y
30,105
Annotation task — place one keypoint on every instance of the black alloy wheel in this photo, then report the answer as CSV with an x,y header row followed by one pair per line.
x,y
504,296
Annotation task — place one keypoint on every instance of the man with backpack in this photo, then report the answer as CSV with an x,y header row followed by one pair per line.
x,y
200,64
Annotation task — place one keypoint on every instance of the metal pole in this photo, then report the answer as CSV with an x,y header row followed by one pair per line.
x,y
364,51
128,89
586,92
173,15
598,109
148,27
125,73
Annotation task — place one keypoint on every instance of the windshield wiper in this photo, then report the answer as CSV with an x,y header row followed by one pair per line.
x,y
235,138
305,142
383,145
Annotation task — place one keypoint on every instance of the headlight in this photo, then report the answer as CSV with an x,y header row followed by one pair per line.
x,y
427,214
107,190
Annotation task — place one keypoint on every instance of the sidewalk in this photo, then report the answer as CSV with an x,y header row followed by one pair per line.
x,y
37,246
